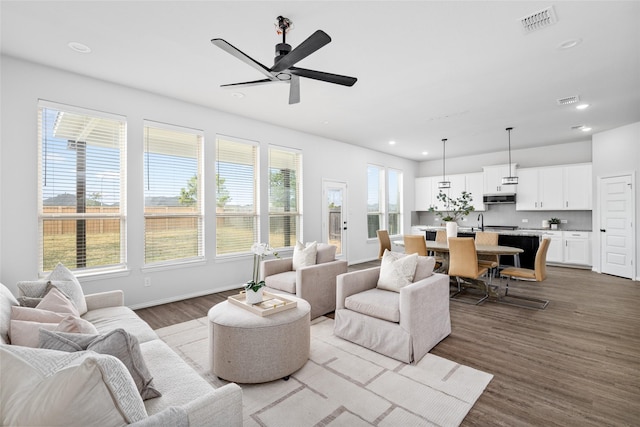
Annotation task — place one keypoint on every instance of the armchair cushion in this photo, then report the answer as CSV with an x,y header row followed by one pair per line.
x,y
396,270
304,256
282,281
378,303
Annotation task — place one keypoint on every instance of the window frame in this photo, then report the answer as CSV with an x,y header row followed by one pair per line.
x,y
120,216
380,213
399,211
198,215
298,214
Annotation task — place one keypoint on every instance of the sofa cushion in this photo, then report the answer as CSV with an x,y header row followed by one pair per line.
x,y
396,270
378,303
109,318
325,253
282,281
96,391
304,256
424,267
118,343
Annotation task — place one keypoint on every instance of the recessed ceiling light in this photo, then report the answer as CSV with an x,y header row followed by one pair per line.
x,y
585,129
568,44
392,143
582,106
79,47
424,153
238,95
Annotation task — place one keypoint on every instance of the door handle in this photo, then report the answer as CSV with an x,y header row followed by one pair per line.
x,y
602,230
344,228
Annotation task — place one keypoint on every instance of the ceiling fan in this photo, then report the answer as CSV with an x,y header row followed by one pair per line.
x,y
283,69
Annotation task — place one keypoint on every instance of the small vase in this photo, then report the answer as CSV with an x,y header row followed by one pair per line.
x,y
554,226
452,229
254,297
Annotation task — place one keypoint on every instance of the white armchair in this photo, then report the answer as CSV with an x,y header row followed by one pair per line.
x,y
314,283
403,325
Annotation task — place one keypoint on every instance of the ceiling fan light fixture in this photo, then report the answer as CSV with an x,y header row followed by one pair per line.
x,y
509,180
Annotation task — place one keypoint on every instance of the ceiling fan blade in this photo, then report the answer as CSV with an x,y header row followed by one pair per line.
x,y
251,83
229,48
325,77
294,90
314,42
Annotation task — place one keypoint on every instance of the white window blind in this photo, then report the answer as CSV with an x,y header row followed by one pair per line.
x,y
285,188
81,185
236,195
375,200
394,202
173,208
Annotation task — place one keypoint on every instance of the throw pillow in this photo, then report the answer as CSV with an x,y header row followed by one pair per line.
x,y
58,302
96,391
304,256
66,281
118,343
6,300
326,253
25,333
36,315
76,325
424,268
29,302
396,270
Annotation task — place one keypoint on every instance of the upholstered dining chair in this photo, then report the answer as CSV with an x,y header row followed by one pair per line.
x,y
415,244
464,266
441,236
538,274
490,261
385,242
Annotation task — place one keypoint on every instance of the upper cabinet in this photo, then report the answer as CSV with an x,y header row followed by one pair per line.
x,y
426,190
553,188
424,193
475,186
493,179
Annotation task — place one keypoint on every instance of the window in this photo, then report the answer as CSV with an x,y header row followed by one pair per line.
x,y
81,185
375,200
285,185
173,213
394,202
236,195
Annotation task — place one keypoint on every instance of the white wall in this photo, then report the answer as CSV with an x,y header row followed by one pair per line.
x,y
559,154
24,83
616,152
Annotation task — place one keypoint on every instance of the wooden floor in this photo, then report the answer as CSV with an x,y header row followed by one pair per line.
x,y
577,363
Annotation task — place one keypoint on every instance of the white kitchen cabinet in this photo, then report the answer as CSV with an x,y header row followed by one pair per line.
x,y
578,187
540,189
475,186
577,247
555,253
423,193
493,179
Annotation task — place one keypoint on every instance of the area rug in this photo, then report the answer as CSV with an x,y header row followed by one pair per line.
x,y
344,384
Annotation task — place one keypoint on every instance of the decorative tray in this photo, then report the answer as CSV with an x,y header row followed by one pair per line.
x,y
271,303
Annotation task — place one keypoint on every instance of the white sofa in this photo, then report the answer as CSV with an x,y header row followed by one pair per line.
x,y
180,385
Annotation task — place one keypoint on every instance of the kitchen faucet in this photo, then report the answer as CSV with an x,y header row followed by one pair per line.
x,y
481,220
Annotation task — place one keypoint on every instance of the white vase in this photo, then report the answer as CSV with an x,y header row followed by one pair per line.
x,y
554,226
254,297
452,229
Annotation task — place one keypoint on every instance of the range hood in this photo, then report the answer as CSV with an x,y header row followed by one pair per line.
x,y
493,199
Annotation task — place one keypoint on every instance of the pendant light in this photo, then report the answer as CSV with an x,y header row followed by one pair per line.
x,y
509,180
444,183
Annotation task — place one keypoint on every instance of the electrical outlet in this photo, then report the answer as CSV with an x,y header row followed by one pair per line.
x,y
525,220
563,221
147,282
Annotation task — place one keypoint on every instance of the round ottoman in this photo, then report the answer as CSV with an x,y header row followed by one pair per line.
x,y
245,347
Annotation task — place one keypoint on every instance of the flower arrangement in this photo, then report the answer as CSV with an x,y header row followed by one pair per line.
x,y
554,221
260,250
455,208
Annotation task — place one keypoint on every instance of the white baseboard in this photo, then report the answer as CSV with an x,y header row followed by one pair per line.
x,y
180,297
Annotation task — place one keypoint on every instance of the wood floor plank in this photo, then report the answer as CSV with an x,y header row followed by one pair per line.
x,y
577,363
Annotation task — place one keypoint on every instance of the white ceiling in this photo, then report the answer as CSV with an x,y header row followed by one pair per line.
x,y
426,70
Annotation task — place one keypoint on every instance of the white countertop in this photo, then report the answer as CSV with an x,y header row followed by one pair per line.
x,y
517,232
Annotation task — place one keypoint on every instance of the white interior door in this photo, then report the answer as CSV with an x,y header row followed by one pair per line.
x,y
334,216
617,241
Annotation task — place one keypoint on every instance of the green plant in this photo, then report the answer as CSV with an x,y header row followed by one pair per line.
x,y
554,221
455,209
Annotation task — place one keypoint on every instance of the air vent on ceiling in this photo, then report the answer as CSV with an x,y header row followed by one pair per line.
x,y
569,100
538,20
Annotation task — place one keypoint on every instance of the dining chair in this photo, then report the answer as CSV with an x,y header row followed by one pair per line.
x,y
415,244
385,242
490,261
537,274
441,235
464,266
